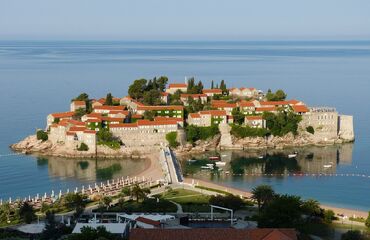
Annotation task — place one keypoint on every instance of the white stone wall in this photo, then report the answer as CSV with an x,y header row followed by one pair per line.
x,y
346,131
324,122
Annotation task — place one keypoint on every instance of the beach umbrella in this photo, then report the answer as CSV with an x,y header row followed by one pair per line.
x,y
60,193
10,200
52,193
67,190
37,196
29,198
45,196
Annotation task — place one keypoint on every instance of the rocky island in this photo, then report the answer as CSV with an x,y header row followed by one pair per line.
x,y
188,118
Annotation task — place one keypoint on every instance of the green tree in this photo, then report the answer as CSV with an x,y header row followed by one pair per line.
x,y
41,135
263,194
81,97
79,113
136,90
107,201
104,135
76,202
282,212
109,100
228,201
223,86
152,97
238,116
311,207
329,215
310,129
171,139
139,192
282,123
5,212
279,95
149,115
162,82
126,192
83,147
212,85
26,212
367,222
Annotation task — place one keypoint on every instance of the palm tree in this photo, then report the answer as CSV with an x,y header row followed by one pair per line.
x,y
121,203
126,192
139,193
311,207
263,194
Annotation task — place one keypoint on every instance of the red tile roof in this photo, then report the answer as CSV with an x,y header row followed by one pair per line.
x,y
90,131
79,103
164,94
93,120
214,112
137,116
111,119
93,115
145,122
300,108
63,114
164,107
246,104
110,108
177,85
148,221
161,118
214,90
266,109
254,118
77,129
185,95
222,104
194,115
70,133
123,125
213,234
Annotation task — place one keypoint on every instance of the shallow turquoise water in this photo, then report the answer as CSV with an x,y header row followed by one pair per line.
x,y
41,77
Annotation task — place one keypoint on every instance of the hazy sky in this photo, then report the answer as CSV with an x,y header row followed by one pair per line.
x,y
184,20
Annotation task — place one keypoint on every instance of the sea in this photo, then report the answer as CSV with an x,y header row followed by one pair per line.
x,y
40,77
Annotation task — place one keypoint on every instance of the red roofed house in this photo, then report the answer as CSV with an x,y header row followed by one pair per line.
x,y
212,92
106,109
248,107
223,105
174,87
77,105
56,117
243,92
207,118
98,103
213,234
255,121
196,97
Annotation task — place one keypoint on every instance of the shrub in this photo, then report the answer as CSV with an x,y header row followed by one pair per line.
x,y
195,133
367,222
282,123
227,201
83,147
41,135
310,129
171,138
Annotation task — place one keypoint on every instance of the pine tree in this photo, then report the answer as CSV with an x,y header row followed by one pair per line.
x,y
109,100
212,84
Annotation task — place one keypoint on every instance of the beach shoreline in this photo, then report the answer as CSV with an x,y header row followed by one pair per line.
x,y
337,210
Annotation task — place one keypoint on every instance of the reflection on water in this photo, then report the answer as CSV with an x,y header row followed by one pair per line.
x,y
310,160
92,169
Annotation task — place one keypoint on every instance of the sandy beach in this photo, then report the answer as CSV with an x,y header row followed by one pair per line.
x,y
345,211
153,169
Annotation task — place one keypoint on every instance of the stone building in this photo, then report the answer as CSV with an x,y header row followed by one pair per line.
x,y
174,87
255,121
212,92
77,105
144,132
196,97
56,117
208,118
243,92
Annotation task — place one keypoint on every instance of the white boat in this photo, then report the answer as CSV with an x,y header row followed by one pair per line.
x,y
210,165
261,157
205,167
292,155
219,163
192,160
328,165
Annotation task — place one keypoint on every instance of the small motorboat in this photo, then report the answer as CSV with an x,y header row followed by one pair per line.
x,y
210,165
261,157
205,167
192,160
219,163
293,155
328,165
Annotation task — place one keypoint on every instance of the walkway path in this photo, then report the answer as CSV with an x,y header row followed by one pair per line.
x,y
179,207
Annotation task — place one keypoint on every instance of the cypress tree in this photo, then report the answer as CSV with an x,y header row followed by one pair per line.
x,y
109,100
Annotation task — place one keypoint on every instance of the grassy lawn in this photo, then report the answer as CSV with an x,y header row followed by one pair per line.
x,y
148,205
190,201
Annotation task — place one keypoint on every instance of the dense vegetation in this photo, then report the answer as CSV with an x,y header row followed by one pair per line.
x,y
195,133
246,131
41,135
279,95
148,92
282,123
106,138
194,88
171,139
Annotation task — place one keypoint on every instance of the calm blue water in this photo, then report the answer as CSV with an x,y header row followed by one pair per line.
x,y
41,77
